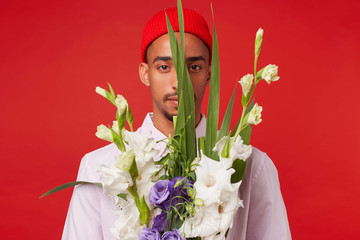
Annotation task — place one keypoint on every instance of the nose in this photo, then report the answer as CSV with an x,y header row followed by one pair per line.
x,y
174,80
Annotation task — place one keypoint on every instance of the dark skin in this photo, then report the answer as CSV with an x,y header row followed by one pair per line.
x,y
159,74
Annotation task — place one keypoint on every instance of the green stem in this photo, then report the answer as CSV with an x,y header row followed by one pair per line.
x,y
239,127
134,193
255,64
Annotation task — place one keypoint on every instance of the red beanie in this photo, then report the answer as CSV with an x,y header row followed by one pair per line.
x,y
194,23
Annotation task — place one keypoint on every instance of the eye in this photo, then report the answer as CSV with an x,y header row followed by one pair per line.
x,y
164,68
194,68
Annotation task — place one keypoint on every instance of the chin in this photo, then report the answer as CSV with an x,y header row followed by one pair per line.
x,y
170,116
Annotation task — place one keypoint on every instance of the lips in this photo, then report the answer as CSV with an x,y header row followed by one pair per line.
x,y
173,99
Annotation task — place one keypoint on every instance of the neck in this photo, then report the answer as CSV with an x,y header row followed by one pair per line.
x,y
165,126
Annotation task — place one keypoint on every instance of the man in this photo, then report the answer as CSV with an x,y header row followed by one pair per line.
x,y
91,213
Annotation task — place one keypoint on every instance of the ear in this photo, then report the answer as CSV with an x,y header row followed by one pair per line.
x,y
144,73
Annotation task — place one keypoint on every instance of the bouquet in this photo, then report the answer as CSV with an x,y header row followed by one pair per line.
x,y
192,191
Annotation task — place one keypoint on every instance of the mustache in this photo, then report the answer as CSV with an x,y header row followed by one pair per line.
x,y
169,95
172,95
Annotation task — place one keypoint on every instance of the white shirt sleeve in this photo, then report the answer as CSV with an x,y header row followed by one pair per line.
x,y
264,214
83,218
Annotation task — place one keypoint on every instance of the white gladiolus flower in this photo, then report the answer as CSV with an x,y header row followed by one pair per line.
x,y
255,115
246,83
125,160
127,225
144,146
219,196
144,149
114,181
104,133
238,151
270,73
100,91
121,104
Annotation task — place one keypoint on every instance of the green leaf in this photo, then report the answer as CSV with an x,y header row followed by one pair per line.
x,y
123,196
245,134
186,109
129,117
226,151
144,211
181,24
225,125
133,170
212,119
112,91
121,119
117,139
239,167
68,185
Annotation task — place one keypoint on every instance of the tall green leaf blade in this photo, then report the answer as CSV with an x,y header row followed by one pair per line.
x,y
181,24
245,134
186,107
68,185
213,106
225,125
239,167
175,52
189,105
188,94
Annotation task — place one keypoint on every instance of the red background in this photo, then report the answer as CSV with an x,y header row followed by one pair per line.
x,y
54,53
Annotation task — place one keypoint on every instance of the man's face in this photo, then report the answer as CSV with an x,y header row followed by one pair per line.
x,y
159,73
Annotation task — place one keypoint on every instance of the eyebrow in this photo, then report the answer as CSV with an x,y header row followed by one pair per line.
x,y
191,59
197,58
161,58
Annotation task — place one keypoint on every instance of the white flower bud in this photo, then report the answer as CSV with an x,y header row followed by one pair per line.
x,y
178,183
121,104
270,73
104,133
100,91
259,33
199,202
258,41
191,192
255,115
194,164
115,127
126,160
246,83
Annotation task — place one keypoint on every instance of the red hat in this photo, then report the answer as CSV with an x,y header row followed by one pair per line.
x,y
194,23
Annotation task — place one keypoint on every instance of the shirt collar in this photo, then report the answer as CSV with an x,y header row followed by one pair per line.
x,y
148,125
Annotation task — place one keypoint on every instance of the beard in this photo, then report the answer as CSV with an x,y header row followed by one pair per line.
x,y
166,114
169,116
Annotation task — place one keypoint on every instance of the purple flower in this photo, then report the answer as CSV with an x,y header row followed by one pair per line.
x,y
149,234
161,193
160,222
175,235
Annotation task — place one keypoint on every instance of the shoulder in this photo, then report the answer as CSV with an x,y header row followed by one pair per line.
x,y
260,165
91,160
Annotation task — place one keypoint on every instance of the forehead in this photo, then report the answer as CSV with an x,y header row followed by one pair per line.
x,y
194,46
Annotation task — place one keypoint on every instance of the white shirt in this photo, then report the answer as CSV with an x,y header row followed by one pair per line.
x,y
91,213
